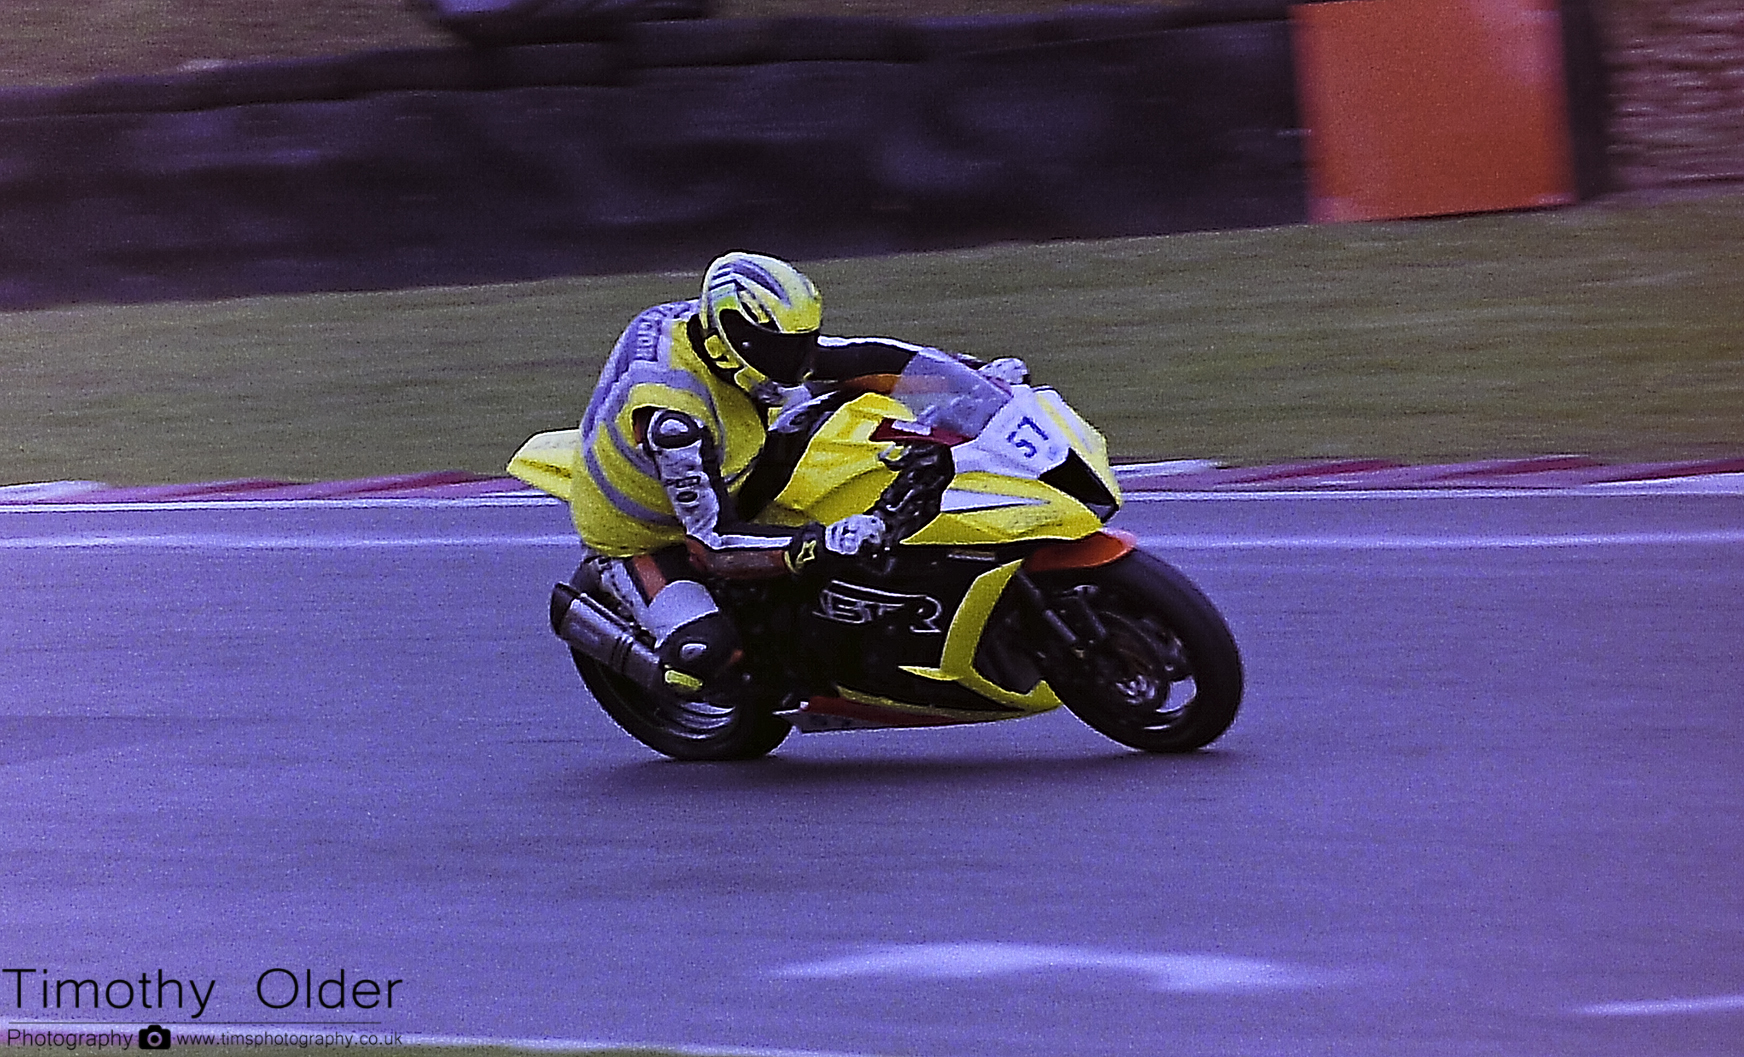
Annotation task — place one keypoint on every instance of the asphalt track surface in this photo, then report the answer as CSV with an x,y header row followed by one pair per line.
x,y
1483,799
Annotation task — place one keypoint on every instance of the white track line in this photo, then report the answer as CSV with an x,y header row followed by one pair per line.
x,y
1699,484
1715,537
1715,485
1632,489
191,541
355,503
195,541
412,1039
584,1045
1666,1007
1175,973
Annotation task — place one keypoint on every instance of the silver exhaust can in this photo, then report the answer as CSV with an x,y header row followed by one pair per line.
x,y
594,630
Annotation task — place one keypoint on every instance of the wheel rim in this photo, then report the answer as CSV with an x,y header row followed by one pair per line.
x,y
1141,670
689,721
693,719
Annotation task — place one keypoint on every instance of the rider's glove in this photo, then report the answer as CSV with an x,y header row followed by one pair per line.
x,y
1007,369
818,547
853,534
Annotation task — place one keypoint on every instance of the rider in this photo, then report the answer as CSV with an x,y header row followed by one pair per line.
x,y
679,417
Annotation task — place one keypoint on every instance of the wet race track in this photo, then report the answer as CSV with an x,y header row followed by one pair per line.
x,y
1483,798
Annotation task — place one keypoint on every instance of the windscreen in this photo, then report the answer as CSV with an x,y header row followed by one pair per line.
x,y
941,392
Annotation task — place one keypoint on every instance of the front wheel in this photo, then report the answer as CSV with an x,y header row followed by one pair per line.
x,y
1165,674
683,730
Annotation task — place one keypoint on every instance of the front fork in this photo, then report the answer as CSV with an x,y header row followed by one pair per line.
x,y
1068,620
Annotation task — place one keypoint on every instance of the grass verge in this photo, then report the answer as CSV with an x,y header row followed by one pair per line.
x,y
1605,330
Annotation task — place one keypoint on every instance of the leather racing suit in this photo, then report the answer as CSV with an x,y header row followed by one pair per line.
x,y
667,444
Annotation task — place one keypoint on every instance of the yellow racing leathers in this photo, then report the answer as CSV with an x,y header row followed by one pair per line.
x,y
665,446
620,506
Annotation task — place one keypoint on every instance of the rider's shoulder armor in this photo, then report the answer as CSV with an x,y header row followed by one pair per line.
x,y
673,429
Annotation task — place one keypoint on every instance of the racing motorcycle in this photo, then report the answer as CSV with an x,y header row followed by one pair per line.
x,y
1000,593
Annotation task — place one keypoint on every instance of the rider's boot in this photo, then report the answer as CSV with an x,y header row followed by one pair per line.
x,y
696,643
699,655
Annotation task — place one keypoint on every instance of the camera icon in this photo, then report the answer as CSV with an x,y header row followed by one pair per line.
x,y
154,1037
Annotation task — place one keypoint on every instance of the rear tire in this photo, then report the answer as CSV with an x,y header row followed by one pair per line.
x,y
1167,676
683,730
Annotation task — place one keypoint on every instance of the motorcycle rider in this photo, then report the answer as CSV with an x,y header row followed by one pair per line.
x,y
682,411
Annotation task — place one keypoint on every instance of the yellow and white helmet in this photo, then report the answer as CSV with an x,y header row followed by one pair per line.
x,y
762,316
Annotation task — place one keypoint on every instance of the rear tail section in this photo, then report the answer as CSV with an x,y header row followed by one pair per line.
x,y
547,462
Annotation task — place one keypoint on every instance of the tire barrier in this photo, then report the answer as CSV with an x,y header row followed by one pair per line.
x,y
808,138
502,23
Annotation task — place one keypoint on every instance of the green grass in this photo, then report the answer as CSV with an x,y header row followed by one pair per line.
x,y
1610,331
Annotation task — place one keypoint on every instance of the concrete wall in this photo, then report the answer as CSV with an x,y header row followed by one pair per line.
x,y
808,138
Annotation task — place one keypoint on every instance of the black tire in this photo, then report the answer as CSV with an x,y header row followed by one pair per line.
x,y
683,730
1167,676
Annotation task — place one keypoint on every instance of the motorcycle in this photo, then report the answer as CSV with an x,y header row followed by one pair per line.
x,y
1001,593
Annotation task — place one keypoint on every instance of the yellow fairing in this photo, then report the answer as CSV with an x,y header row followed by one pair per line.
x,y
957,661
1015,509
838,475
1091,445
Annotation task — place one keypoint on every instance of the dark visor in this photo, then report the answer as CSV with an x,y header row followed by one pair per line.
x,y
784,358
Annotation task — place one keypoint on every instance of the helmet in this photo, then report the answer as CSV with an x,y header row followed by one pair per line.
x,y
762,316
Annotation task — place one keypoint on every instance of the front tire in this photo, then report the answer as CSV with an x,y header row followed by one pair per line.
x,y
1166,676
683,730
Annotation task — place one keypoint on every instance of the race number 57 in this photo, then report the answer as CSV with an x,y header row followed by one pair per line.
x,y
1024,445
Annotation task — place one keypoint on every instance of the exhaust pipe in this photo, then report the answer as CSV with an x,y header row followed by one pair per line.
x,y
596,632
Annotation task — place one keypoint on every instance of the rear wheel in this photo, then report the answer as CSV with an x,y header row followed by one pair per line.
x,y
1165,675
683,730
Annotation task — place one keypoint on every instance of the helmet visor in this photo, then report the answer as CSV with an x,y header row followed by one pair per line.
x,y
784,358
